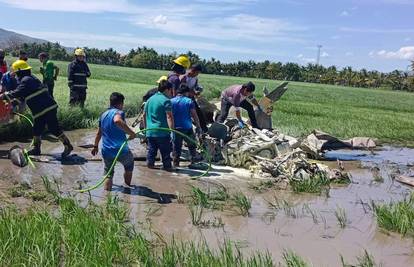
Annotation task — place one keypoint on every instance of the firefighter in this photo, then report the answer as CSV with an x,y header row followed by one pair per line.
x,y
41,104
78,72
49,71
180,65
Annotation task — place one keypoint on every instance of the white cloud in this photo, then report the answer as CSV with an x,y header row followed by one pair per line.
x,y
126,42
375,30
239,27
324,54
344,13
404,53
300,56
160,19
81,6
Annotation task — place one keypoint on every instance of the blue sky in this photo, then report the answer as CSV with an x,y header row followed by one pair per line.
x,y
372,34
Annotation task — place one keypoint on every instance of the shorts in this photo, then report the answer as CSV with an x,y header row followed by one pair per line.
x,y
126,159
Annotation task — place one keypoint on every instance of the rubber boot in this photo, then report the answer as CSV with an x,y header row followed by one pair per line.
x,y
67,144
35,150
176,163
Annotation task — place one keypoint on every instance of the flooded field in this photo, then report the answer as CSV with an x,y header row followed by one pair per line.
x,y
319,228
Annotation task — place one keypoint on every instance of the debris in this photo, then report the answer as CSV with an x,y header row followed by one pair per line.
x,y
17,157
264,117
318,142
408,180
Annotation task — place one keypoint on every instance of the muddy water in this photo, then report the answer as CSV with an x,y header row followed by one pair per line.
x,y
309,227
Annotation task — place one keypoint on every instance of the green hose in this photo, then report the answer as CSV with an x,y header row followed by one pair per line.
x,y
103,179
26,154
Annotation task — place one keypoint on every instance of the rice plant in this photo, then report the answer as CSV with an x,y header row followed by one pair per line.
x,y
396,216
366,260
196,214
283,205
291,259
341,217
314,184
242,203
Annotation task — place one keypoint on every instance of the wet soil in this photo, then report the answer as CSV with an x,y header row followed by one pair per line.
x,y
306,225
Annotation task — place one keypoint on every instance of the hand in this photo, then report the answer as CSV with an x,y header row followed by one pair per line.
x,y
241,124
132,136
94,151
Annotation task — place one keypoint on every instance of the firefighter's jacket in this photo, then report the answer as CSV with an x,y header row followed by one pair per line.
x,y
78,72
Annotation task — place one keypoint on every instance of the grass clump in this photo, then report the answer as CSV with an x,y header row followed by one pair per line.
x,y
314,184
291,259
341,217
396,216
242,203
366,260
99,236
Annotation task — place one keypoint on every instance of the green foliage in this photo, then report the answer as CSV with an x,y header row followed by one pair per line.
x,y
242,202
366,260
396,216
291,259
314,184
341,216
98,236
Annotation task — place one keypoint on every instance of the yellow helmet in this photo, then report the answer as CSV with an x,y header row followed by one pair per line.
x,y
19,65
183,61
162,78
79,52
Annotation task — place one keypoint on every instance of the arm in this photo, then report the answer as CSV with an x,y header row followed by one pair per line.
x,y
195,118
97,140
144,121
56,72
70,75
119,121
170,119
88,72
19,92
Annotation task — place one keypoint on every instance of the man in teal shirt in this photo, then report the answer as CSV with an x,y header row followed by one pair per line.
x,y
158,114
49,71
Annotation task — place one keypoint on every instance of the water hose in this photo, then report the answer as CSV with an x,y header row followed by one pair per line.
x,y
26,154
103,179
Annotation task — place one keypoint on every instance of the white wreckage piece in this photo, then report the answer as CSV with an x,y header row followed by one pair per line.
x,y
268,154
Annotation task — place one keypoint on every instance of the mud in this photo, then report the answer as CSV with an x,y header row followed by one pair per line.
x,y
308,227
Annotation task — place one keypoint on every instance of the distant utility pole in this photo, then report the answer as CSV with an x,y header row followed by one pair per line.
x,y
318,58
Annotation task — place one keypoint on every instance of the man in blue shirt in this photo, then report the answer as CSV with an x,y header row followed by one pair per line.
x,y
184,112
158,114
112,130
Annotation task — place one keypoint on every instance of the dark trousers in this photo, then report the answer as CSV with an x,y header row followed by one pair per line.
x,y
50,120
226,105
50,87
77,96
178,143
164,145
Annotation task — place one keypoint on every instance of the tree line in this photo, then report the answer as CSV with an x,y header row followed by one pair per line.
x,y
143,57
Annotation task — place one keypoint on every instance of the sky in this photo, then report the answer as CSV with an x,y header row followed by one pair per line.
x,y
371,34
